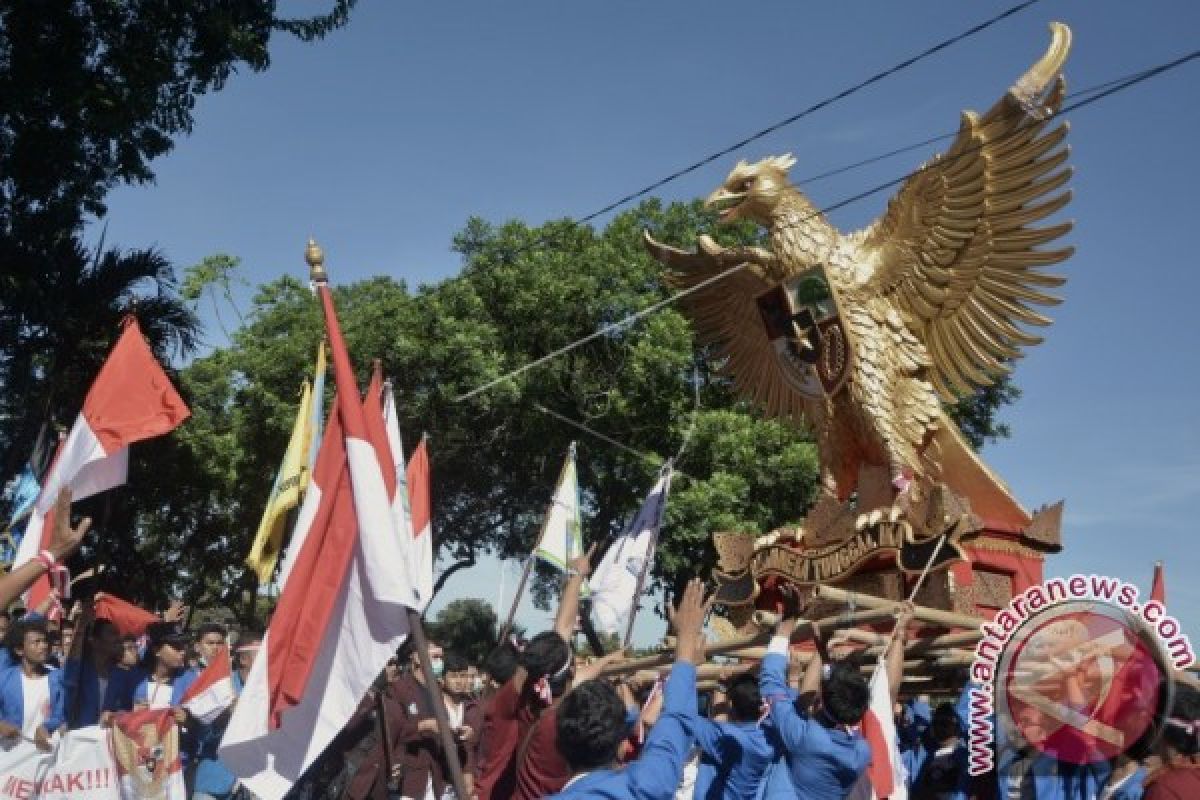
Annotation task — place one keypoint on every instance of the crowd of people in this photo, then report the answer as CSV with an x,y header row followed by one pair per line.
x,y
536,720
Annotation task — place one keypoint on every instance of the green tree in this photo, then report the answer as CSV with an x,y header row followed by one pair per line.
x,y
466,626
93,91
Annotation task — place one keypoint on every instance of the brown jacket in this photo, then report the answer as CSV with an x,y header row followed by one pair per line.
x,y
423,757
370,779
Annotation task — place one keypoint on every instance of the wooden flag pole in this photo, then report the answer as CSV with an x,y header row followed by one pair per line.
x,y
449,743
516,601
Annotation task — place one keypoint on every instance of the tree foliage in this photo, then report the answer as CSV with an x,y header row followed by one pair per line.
x,y
466,626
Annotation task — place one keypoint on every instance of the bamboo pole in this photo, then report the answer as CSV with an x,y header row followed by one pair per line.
x,y
932,616
803,630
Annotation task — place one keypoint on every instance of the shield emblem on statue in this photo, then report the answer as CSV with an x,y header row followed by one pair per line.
x,y
813,353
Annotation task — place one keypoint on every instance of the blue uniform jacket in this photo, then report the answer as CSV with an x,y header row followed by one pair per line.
x,y
656,773
84,703
12,699
823,763
738,755
179,686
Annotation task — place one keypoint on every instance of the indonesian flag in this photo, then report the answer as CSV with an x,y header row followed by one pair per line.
x,y
1158,590
130,400
421,503
128,619
342,609
886,776
212,692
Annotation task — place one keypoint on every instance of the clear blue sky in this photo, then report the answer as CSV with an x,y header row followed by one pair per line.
x,y
383,139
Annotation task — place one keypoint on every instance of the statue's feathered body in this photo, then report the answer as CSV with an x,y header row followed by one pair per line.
x,y
930,300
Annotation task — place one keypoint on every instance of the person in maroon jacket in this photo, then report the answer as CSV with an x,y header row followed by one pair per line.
x,y
541,769
425,765
1179,776
544,666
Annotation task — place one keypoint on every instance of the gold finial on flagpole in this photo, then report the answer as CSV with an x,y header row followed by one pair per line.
x,y
315,257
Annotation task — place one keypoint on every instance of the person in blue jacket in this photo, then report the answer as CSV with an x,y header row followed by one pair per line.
x,y
167,676
823,752
95,683
591,724
941,771
735,754
31,694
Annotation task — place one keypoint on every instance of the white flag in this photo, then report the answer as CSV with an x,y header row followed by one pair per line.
x,y
614,582
562,532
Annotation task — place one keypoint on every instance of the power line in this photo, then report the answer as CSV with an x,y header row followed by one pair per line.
x,y
547,239
1112,88
828,101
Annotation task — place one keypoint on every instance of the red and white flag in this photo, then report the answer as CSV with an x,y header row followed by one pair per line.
x,y
886,776
131,399
212,692
421,503
342,609
1158,589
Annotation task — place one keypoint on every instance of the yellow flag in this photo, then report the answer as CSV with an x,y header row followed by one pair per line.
x,y
290,483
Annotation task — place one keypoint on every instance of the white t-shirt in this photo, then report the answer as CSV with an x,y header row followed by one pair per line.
x,y
35,700
158,695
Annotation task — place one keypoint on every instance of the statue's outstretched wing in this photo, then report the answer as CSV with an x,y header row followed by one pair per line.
x,y
725,315
959,251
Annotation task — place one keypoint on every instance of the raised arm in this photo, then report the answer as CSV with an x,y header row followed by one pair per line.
x,y
792,727
568,607
64,540
656,774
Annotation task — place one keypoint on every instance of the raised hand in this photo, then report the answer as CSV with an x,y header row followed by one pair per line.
x,y
689,623
65,540
582,565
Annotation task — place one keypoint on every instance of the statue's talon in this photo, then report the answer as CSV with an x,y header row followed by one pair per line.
x,y
895,513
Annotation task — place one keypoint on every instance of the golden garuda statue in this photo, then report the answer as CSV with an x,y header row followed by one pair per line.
x,y
929,302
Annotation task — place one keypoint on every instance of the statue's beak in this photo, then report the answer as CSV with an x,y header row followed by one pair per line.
x,y
726,202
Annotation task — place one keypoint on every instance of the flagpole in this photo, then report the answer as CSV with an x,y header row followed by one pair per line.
x,y
641,583
449,743
516,601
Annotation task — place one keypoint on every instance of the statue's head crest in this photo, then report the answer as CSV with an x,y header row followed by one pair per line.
x,y
752,190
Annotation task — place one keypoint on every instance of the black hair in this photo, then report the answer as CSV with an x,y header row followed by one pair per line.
x,y
454,662
945,722
249,635
16,634
100,625
211,627
745,700
545,655
501,663
5,614
1181,733
67,623
845,694
590,726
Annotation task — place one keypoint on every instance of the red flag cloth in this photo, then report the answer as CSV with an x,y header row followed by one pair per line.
x,y
880,770
421,504
131,399
1158,591
129,620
